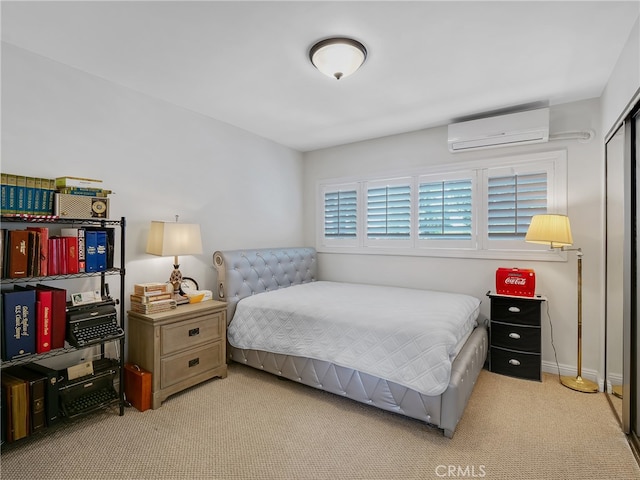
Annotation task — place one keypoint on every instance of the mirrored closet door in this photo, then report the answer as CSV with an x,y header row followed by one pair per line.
x,y
615,227
622,354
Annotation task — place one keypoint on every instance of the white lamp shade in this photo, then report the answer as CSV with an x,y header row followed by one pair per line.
x,y
338,57
174,239
550,229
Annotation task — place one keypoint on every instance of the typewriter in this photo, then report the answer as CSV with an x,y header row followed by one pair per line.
x,y
91,392
92,324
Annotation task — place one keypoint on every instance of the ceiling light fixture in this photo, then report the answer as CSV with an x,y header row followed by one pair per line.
x,y
338,57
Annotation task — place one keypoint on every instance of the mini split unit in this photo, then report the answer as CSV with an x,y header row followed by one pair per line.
x,y
531,126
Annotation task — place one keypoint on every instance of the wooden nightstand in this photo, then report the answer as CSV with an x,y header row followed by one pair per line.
x,y
515,345
181,347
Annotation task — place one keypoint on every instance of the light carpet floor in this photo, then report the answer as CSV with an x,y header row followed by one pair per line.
x,y
252,425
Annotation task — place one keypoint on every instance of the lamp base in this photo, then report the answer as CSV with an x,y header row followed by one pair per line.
x,y
579,384
180,299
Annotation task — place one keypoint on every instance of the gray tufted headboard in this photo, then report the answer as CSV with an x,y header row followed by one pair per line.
x,y
244,272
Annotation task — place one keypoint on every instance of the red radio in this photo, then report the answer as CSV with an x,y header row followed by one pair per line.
x,y
518,282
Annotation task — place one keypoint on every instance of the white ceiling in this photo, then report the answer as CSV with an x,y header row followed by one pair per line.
x,y
246,63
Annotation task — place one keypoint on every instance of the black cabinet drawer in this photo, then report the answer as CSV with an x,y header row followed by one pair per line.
x,y
515,337
516,310
516,364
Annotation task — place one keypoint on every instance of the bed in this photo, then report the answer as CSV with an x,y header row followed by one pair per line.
x,y
368,343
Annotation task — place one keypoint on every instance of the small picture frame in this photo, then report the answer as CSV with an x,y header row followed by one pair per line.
x,y
83,298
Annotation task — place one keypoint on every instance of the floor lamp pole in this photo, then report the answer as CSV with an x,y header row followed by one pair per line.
x,y
578,383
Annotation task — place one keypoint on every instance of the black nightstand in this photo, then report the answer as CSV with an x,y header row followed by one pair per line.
x,y
515,336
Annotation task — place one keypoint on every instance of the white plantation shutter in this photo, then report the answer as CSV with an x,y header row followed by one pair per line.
x,y
445,210
340,214
512,201
468,210
389,211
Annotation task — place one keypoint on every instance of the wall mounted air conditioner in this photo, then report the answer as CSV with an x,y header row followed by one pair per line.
x,y
531,126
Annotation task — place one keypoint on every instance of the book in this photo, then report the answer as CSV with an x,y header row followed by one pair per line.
x,y
18,254
33,259
110,243
101,250
77,182
154,307
151,297
12,194
53,258
91,250
146,288
71,257
21,194
58,315
19,323
44,309
77,233
36,394
30,192
48,194
51,396
3,244
4,193
84,191
44,249
16,396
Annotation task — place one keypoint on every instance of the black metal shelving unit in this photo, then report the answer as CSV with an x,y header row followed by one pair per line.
x,y
117,271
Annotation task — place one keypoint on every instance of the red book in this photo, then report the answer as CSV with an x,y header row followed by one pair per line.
x,y
58,315
71,247
44,308
44,249
62,255
54,256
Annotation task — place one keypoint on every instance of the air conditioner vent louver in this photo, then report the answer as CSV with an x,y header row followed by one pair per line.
x,y
519,128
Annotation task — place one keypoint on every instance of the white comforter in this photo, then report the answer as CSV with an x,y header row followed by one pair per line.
x,y
404,335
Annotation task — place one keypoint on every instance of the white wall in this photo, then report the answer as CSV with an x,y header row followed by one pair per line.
x,y
624,82
161,160
557,280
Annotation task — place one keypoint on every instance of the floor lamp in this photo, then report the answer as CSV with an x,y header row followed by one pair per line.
x,y
555,231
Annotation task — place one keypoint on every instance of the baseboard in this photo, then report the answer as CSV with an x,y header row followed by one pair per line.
x,y
570,370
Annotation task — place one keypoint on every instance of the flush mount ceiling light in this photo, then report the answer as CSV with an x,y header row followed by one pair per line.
x,y
338,57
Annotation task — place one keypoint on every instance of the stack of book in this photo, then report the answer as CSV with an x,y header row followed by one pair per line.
x,y
39,252
33,320
23,195
88,187
154,297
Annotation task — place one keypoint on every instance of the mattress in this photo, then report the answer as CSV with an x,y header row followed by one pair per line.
x,y
406,336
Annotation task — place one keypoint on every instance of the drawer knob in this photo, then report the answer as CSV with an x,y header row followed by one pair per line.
x,y
194,331
514,309
194,362
514,335
514,362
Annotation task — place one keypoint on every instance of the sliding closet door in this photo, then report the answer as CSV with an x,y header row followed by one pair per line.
x,y
633,129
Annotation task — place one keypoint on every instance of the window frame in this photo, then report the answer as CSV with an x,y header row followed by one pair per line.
x,y
554,162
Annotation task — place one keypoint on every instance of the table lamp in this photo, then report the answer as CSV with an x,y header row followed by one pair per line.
x,y
173,239
555,230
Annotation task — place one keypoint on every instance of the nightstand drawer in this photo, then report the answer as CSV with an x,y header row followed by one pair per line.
x,y
515,337
515,310
516,364
189,333
182,366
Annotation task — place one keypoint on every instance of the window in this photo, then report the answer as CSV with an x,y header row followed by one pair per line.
x,y
340,214
512,201
472,209
389,211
